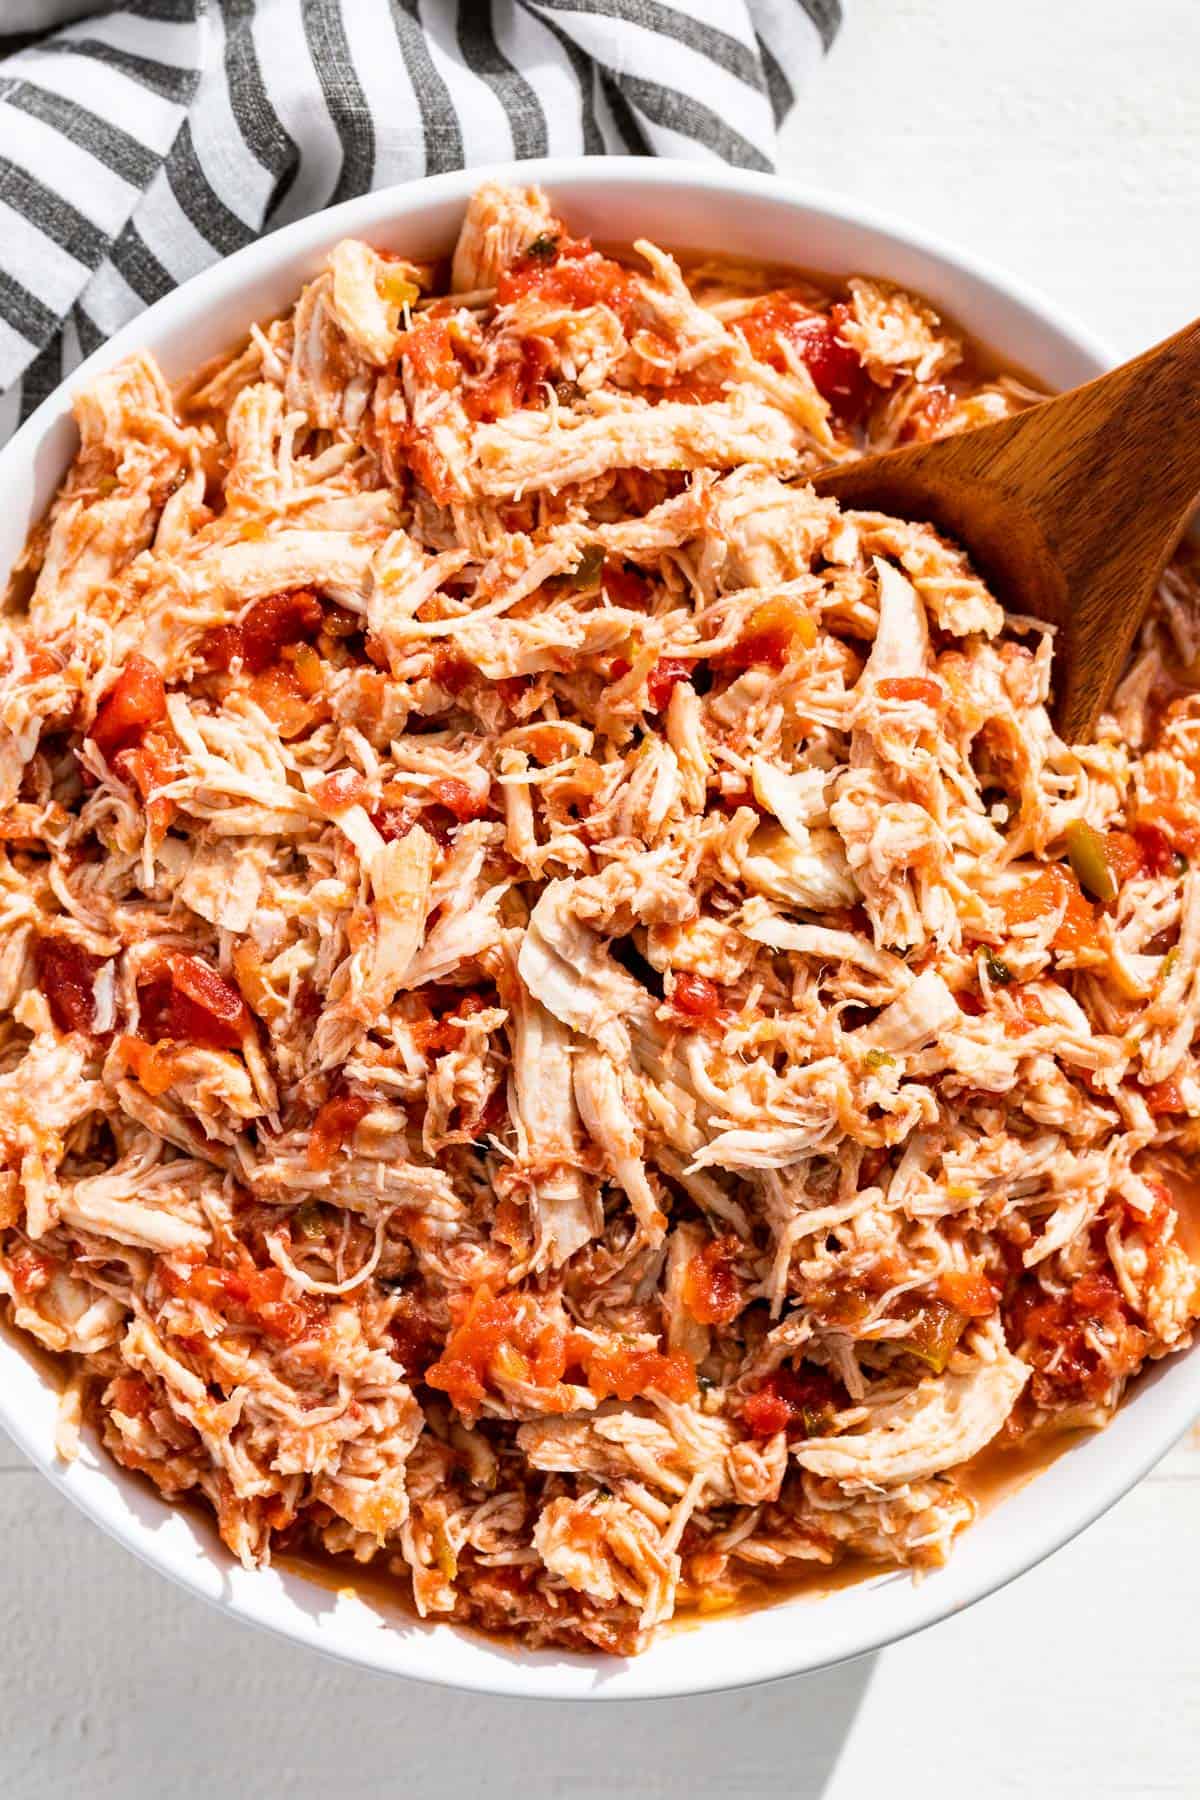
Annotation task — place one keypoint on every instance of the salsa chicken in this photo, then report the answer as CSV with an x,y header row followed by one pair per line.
x,y
568,1028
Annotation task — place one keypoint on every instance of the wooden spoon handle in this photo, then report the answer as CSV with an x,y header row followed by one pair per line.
x,y
1070,509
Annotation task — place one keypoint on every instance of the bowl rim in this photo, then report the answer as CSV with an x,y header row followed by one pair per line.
x,y
102,1490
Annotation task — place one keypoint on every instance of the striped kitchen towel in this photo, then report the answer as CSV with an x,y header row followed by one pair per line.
x,y
140,143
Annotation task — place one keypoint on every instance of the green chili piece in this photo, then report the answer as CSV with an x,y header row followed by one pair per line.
x,y
998,971
1085,848
587,569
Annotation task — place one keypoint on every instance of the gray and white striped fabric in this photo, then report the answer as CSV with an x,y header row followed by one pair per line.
x,y
142,142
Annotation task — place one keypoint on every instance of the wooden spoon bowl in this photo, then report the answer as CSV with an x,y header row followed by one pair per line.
x,y
1070,510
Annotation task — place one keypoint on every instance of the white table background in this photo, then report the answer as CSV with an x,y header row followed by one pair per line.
x,y
1060,139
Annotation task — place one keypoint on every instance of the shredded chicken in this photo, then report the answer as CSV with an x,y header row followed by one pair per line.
x,y
567,1024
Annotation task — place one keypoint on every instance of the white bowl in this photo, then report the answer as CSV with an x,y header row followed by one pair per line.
x,y
691,206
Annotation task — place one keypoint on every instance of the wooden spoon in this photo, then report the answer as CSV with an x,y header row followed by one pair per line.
x,y
1069,510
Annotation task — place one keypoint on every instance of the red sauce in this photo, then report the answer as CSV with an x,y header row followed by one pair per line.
x,y
625,586
65,975
450,671
333,1127
447,1033
395,822
929,415
31,1269
132,1395
136,700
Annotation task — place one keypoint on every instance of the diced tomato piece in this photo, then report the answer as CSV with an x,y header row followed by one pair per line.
x,y
627,1371
837,373
149,766
345,787
712,1292
428,465
271,624
152,1064
333,1127
568,272
771,634
192,1004
1124,855
509,1329
696,997
416,1340
789,1402
664,678
1159,855
911,687
458,798
211,993
136,700
283,698
1043,893
514,382
32,1270
968,1291
428,350
246,1295
1163,1097
450,671
132,1395
1056,1336
66,975
928,415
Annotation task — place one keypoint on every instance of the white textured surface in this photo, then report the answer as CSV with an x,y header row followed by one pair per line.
x,y
1061,139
